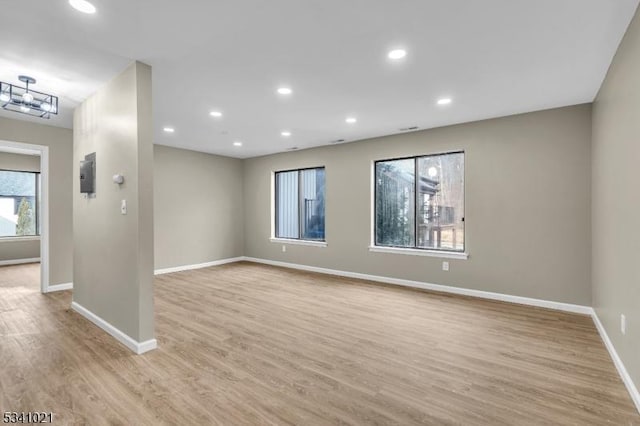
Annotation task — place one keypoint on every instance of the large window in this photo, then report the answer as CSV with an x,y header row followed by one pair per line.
x,y
299,204
19,199
419,202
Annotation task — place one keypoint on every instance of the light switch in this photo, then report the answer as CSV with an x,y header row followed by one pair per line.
x,y
123,207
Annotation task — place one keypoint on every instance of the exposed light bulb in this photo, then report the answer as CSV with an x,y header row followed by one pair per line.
x,y
433,172
27,97
24,108
46,106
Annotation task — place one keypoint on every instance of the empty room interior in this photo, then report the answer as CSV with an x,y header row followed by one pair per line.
x,y
309,213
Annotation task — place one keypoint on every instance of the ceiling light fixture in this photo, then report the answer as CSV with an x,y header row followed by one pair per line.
x,y
83,6
351,120
216,114
237,143
169,129
397,54
27,101
285,91
286,133
444,101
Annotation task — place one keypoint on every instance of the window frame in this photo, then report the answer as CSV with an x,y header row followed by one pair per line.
x,y
37,177
274,221
415,249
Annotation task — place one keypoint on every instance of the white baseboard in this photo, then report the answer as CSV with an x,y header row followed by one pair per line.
x,y
135,346
19,261
197,266
59,287
624,374
567,307
560,306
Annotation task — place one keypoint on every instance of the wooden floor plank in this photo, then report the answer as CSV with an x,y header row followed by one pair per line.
x,y
253,344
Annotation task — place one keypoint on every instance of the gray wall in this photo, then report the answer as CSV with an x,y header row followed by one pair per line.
x,y
26,249
616,200
113,253
19,162
198,207
527,205
60,143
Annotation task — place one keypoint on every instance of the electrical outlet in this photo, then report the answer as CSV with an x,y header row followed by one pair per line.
x,y
623,324
284,249
445,266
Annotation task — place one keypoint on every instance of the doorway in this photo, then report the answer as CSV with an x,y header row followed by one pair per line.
x,y
31,211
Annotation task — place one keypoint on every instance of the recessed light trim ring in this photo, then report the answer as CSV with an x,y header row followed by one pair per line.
x,y
83,6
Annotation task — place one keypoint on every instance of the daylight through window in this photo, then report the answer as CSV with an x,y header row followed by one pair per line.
x,y
300,204
419,202
19,193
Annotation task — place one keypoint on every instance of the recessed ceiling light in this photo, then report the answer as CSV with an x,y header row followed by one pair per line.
x,y
285,91
351,120
237,143
397,54
444,101
169,129
215,114
83,6
286,133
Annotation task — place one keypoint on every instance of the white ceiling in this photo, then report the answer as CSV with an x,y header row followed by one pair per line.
x,y
492,57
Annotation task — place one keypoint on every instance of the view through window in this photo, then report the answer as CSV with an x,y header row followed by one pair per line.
x,y
19,193
300,204
419,202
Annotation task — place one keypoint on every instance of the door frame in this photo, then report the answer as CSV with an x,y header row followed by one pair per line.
x,y
43,151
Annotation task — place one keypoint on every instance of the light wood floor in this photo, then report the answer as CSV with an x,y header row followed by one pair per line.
x,y
251,344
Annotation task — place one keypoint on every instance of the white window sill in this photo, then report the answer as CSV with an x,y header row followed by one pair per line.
x,y
14,239
419,252
299,242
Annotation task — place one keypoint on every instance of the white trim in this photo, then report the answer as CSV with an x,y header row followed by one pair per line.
x,y
559,306
197,266
44,205
298,242
272,205
44,219
60,287
19,261
16,239
135,346
626,378
420,252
